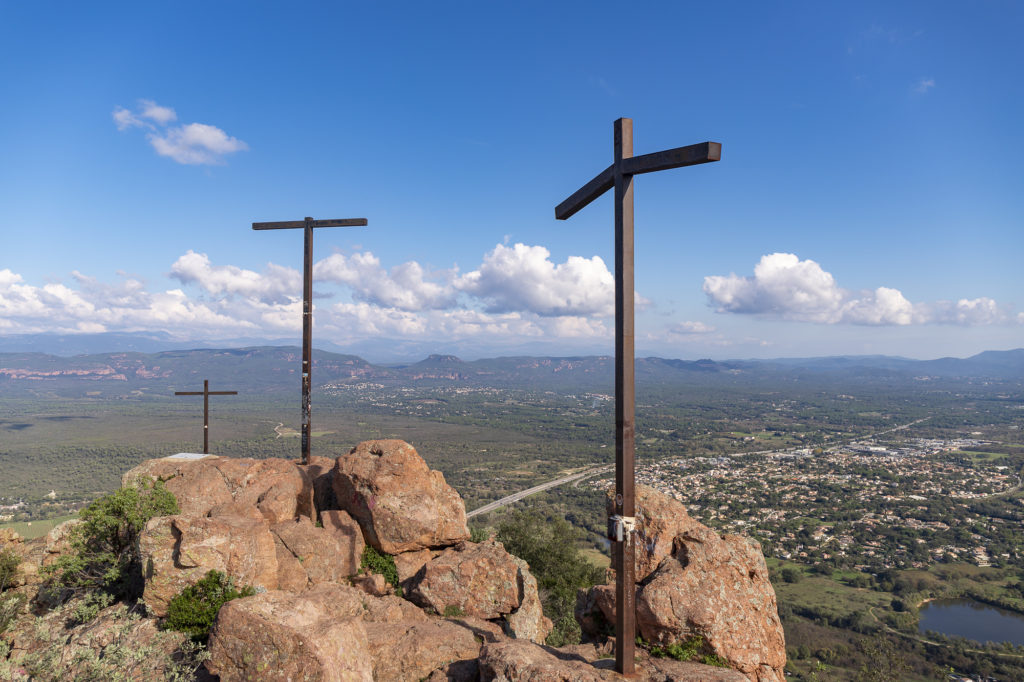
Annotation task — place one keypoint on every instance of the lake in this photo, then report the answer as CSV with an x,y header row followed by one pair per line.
x,y
973,620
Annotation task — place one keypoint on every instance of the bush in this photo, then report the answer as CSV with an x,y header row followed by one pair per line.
x,y
10,604
9,562
379,562
104,547
194,609
549,547
91,605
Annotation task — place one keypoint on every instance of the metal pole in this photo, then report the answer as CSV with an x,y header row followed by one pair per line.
x,y
206,416
307,340
625,567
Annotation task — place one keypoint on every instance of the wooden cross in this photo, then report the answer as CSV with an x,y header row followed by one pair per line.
x,y
620,176
307,309
206,393
307,226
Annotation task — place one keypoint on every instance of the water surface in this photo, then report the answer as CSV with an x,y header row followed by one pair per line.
x,y
973,620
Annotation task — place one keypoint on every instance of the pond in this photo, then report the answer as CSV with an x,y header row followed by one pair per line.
x,y
973,620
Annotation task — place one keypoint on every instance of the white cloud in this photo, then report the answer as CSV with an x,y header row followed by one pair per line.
x,y
277,284
688,327
524,278
190,144
785,286
407,286
924,85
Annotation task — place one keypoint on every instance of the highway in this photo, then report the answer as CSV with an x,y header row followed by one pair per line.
x,y
515,497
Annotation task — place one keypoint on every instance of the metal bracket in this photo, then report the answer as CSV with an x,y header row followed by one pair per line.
x,y
621,526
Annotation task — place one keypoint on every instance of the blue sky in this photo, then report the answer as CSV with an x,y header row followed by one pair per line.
x,y
868,199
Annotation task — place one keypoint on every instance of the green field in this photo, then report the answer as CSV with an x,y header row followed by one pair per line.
x,y
37,529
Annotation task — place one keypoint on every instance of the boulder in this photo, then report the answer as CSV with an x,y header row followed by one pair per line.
x,y
347,530
716,587
177,551
400,503
316,635
322,554
523,661
278,488
373,584
484,581
408,564
659,519
528,621
411,651
475,579
390,609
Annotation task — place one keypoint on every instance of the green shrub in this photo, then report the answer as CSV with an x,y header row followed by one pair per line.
x,y
548,545
91,605
690,650
10,604
453,611
9,562
103,548
194,609
379,562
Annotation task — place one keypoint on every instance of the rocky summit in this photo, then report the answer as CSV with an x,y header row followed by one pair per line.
x,y
450,609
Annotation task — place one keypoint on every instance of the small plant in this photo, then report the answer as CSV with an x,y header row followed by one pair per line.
x,y
379,562
194,609
10,605
9,562
104,547
683,651
91,605
453,611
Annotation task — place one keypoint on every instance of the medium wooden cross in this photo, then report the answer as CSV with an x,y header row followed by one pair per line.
x,y
307,226
206,393
620,176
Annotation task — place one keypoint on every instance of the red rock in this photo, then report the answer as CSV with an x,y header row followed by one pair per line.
x,y
316,635
659,519
528,620
400,503
475,579
373,584
278,488
411,651
408,564
348,533
177,551
322,554
320,472
716,587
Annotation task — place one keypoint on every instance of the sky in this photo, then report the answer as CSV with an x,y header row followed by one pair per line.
x,y
869,198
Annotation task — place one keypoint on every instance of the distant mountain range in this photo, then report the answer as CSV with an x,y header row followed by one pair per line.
x,y
266,370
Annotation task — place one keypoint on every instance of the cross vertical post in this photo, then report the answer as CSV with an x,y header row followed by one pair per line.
x,y
206,393
625,400
307,226
619,176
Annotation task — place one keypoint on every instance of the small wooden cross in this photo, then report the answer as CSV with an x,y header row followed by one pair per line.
x,y
620,176
206,393
307,226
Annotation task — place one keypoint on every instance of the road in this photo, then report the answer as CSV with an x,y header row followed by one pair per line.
x,y
515,497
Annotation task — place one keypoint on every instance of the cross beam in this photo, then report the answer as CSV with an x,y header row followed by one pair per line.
x,y
307,226
619,176
206,393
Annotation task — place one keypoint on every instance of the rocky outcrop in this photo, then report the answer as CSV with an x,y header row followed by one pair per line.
x,y
482,580
411,651
400,503
316,635
716,587
659,520
526,662
707,585
320,472
321,554
177,551
278,488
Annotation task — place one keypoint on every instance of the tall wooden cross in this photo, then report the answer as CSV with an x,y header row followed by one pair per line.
x,y
206,393
620,176
307,226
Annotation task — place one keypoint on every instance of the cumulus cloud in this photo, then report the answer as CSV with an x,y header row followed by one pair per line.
x,y
191,144
785,286
407,286
688,327
276,284
523,277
